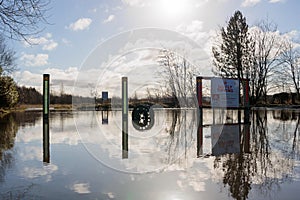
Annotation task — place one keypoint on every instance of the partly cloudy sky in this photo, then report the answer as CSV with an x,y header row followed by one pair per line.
x,y
77,27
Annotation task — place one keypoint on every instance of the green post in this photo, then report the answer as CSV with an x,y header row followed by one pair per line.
x,y
46,140
46,103
124,117
46,95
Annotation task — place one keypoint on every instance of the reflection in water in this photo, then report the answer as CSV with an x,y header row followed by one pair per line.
x,y
9,126
104,114
46,138
262,164
251,160
8,130
225,139
285,115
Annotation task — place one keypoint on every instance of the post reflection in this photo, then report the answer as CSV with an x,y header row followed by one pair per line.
x,y
46,140
124,118
256,160
226,133
104,114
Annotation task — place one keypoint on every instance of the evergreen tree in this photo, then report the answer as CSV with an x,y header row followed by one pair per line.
x,y
8,92
233,55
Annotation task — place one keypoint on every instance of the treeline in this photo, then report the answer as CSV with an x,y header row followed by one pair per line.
x,y
32,96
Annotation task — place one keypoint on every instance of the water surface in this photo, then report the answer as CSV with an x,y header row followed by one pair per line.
x,y
225,158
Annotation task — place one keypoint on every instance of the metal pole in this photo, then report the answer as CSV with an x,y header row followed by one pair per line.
x,y
124,117
46,103
46,94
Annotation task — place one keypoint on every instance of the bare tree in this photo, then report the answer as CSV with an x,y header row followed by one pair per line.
x,y
268,47
290,65
21,18
179,76
7,58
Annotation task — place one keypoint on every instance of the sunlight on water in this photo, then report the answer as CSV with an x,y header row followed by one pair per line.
x,y
176,159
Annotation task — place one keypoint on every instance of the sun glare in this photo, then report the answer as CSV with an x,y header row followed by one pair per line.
x,y
173,8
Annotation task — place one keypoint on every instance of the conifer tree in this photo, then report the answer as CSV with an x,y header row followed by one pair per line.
x,y
233,55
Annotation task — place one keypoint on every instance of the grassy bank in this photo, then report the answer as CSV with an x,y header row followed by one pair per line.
x,y
24,107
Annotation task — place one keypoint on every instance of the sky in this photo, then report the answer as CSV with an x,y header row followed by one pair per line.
x,y
87,46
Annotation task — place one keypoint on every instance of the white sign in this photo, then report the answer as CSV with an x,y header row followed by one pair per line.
x,y
224,92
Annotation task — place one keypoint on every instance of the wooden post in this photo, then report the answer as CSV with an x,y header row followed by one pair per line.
x,y
124,117
246,90
200,125
199,90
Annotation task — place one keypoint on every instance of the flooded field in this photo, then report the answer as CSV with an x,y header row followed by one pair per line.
x,y
223,156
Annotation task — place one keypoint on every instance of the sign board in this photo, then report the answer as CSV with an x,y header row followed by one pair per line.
x,y
224,92
104,96
225,139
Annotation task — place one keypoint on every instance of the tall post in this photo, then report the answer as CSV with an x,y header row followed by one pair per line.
x,y
46,94
124,117
247,116
46,103
199,91
246,93
200,125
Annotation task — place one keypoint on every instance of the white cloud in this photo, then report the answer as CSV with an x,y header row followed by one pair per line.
x,y
110,195
194,28
68,74
291,35
80,24
248,3
66,77
29,79
35,172
195,32
276,1
46,41
50,46
31,60
200,3
81,188
109,19
137,3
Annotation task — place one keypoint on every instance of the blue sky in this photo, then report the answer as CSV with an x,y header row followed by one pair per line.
x,y
77,27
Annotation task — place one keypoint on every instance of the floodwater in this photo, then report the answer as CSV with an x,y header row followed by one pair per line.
x,y
222,156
